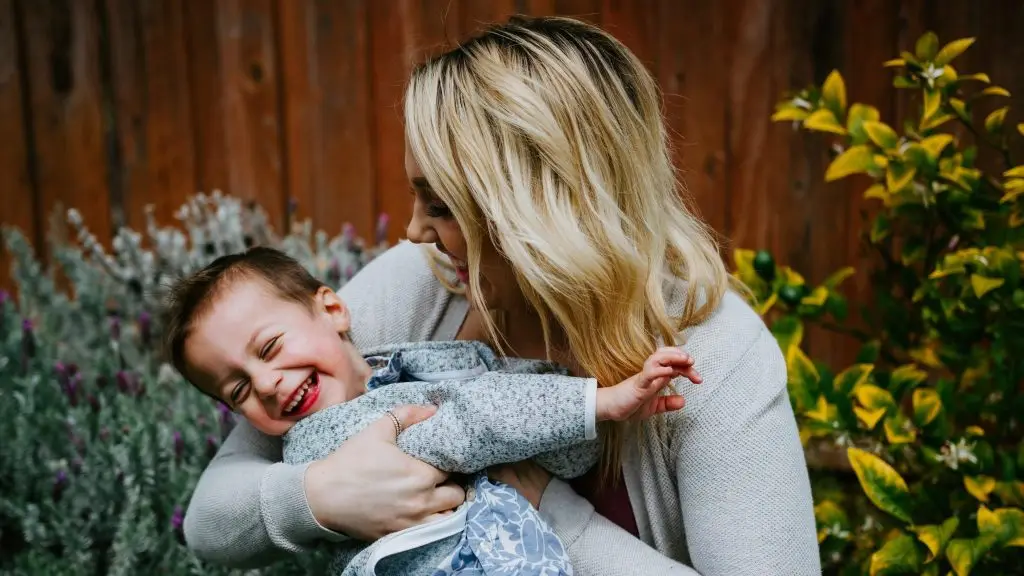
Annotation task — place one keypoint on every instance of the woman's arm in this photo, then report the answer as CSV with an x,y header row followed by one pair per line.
x,y
742,477
248,507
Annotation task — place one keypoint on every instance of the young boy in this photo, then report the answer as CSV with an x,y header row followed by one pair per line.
x,y
258,332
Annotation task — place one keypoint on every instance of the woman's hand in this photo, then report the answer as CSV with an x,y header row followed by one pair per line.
x,y
368,488
527,477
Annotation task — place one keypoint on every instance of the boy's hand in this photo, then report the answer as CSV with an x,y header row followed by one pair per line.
x,y
638,397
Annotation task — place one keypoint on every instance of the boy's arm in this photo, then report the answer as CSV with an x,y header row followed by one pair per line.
x,y
501,417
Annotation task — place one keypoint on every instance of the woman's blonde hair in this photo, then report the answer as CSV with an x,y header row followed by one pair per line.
x,y
545,137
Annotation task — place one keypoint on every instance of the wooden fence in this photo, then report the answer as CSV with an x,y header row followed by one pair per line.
x,y
110,105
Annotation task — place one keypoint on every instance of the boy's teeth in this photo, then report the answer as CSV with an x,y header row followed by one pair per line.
x,y
302,394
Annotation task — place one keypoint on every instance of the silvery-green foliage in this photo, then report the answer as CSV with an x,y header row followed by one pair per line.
x,y
102,442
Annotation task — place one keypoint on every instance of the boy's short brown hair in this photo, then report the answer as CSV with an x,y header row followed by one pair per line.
x,y
191,297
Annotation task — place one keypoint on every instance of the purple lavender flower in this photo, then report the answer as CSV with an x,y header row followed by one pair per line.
x,y
145,328
382,228
177,522
115,327
211,446
128,383
179,445
5,296
348,233
94,403
60,482
104,434
28,343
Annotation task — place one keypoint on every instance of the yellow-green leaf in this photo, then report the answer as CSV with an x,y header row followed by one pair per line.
x,y
932,100
822,411
899,555
881,134
831,520
852,378
881,483
927,405
762,308
894,63
981,77
879,192
1015,172
907,376
1020,128
974,431
873,397
899,430
952,50
823,120
936,536
936,121
837,277
983,285
934,145
869,418
996,91
790,113
817,297
880,228
980,486
960,108
898,176
833,92
974,219
802,378
853,160
994,121
1010,492
964,553
789,332
1005,525
927,46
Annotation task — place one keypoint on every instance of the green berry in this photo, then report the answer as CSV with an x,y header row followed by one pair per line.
x,y
764,265
792,294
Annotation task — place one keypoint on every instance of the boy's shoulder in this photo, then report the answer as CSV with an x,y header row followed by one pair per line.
x,y
395,298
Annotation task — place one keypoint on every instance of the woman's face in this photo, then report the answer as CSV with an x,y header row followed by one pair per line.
x,y
433,223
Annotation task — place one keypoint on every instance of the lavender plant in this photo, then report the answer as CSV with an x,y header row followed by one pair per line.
x,y
103,441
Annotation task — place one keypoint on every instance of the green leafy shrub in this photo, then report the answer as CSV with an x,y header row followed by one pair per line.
x,y
102,442
929,416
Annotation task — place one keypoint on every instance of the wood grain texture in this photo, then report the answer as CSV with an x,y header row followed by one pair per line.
x,y
17,208
63,78
210,146
152,161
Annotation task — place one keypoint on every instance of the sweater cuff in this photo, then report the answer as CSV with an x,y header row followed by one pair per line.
x,y
286,513
566,511
590,412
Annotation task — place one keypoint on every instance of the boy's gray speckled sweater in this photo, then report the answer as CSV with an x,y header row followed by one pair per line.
x,y
491,411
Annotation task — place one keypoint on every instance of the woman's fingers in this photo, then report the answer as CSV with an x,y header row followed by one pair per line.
x,y
447,496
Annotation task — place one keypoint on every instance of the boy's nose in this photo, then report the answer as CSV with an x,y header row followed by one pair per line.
x,y
267,383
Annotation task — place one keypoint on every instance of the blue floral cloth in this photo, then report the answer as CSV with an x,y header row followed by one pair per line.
x,y
504,535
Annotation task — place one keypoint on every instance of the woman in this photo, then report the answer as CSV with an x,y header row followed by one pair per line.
x,y
543,185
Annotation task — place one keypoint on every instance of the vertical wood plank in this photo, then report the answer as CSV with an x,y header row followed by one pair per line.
x,y
756,171
536,7
62,49
207,96
250,104
586,10
152,112
17,209
301,103
346,192
478,14
633,22
689,71
394,31
438,26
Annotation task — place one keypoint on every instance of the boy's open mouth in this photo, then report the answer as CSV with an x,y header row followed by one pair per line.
x,y
304,396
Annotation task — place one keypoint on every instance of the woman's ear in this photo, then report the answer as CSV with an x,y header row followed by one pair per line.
x,y
334,308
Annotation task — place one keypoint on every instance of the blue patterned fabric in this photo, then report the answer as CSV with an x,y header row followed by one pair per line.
x,y
504,535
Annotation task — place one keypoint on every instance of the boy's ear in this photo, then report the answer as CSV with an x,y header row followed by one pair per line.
x,y
334,307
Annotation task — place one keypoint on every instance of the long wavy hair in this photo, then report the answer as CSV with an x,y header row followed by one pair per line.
x,y
545,137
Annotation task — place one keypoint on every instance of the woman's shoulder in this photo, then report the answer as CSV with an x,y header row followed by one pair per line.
x,y
396,298
736,354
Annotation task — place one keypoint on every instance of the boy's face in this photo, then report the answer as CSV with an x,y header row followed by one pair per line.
x,y
271,360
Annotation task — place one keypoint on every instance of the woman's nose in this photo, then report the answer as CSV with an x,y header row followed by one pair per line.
x,y
419,230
